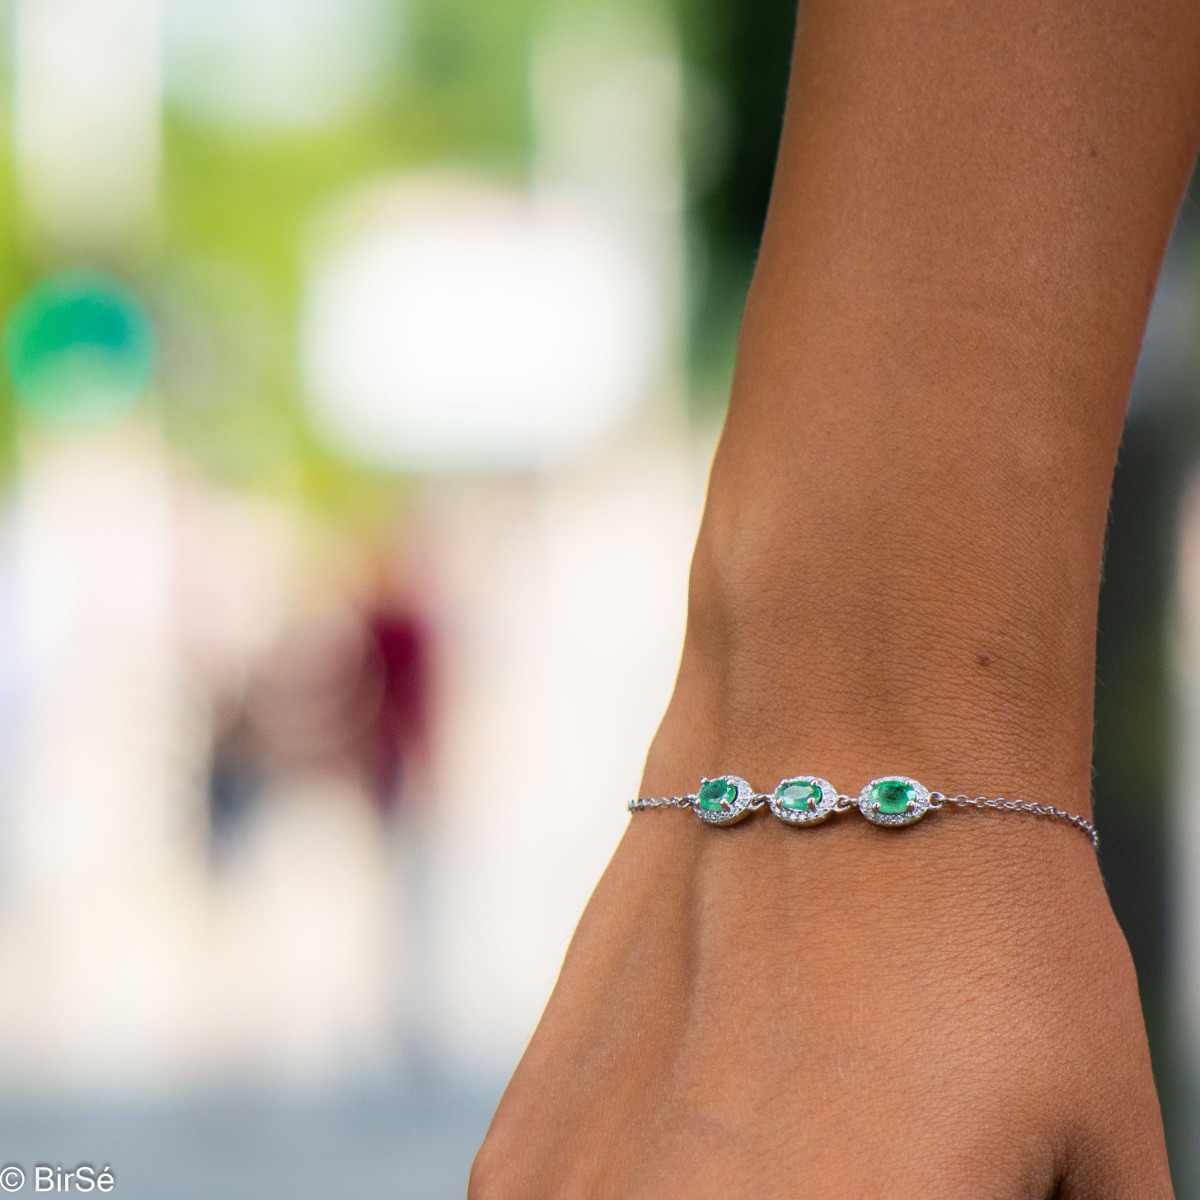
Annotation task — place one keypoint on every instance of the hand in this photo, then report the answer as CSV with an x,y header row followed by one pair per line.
x,y
838,1012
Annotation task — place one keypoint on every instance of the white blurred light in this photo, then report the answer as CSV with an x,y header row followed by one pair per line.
x,y
87,99
460,327
607,97
566,601
279,63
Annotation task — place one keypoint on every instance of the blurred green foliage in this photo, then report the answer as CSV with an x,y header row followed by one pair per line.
x,y
236,204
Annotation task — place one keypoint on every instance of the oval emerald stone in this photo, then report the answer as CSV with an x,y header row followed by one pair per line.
x,y
891,796
798,795
716,795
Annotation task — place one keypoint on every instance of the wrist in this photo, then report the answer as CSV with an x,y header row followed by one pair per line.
x,y
813,648
921,895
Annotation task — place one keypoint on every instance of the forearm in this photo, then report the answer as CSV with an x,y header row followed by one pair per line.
x,y
900,557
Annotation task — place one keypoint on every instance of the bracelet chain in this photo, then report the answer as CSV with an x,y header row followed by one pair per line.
x,y
936,800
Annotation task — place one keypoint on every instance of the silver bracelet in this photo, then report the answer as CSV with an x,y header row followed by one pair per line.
x,y
891,800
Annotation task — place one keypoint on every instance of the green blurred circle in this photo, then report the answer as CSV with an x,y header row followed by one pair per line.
x,y
79,347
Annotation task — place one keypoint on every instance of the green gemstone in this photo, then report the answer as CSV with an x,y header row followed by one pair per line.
x,y
716,795
892,797
798,796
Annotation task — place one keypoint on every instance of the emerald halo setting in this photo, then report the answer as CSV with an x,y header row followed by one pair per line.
x,y
893,800
723,799
890,800
803,800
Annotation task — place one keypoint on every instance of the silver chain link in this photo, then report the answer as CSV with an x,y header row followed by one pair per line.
x,y
936,800
661,802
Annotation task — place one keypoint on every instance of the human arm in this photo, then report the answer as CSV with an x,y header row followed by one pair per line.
x,y
897,571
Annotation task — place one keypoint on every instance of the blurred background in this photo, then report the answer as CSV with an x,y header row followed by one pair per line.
x,y
363,363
